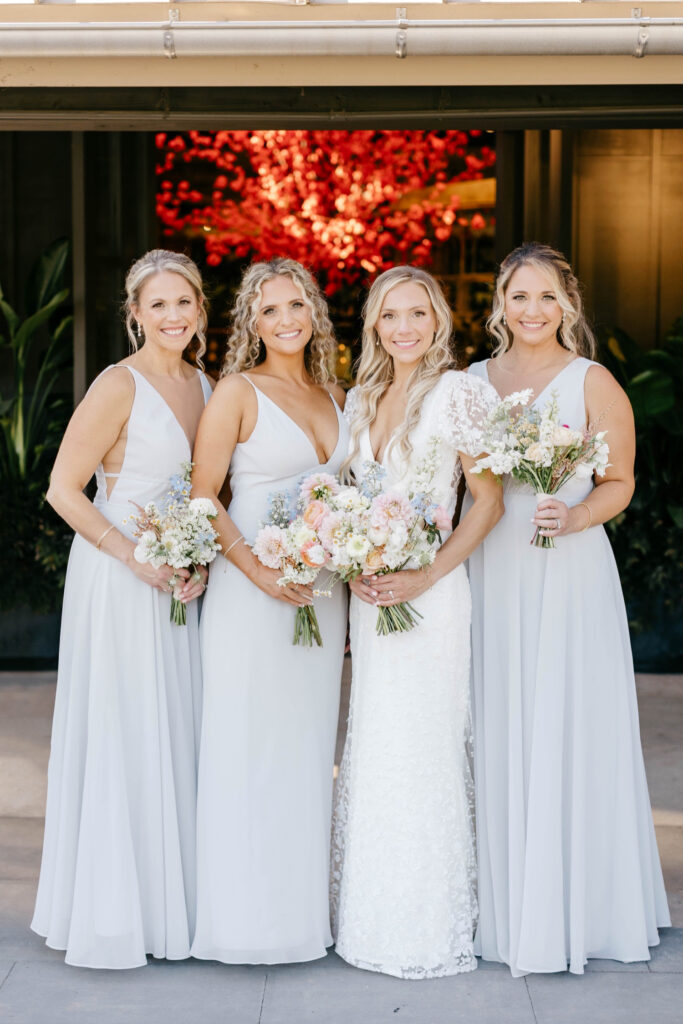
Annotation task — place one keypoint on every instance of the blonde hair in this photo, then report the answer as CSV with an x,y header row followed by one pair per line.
x,y
154,262
376,367
574,333
245,348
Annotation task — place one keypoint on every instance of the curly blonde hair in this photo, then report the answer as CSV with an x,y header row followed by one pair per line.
x,y
376,367
245,348
574,332
155,262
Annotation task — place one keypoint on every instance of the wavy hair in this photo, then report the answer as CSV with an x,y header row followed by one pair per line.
x,y
155,262
376,367
245,348
574,333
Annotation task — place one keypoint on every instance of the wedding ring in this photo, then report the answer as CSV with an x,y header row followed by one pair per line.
x,y
391,594
559,525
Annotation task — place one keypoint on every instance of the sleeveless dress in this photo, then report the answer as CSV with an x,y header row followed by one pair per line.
x,y
117,879
268,732
403,860
568,864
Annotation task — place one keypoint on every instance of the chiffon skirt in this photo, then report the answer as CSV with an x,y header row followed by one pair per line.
x,y
117,879
568,863
266,775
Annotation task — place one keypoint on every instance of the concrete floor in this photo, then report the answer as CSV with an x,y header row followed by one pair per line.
x,y
37,988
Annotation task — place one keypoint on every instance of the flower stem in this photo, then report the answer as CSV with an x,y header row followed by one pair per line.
x,y
178,612
306,628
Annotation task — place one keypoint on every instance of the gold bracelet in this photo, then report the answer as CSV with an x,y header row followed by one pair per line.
x,y
108,530
233,544
590,516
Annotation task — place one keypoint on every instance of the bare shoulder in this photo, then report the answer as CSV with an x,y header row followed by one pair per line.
x,y
231,393
112,388
600,383
604,395
337,392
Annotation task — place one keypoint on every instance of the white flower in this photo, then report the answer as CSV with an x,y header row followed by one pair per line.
x,y
349,499
202,507
398,537
583,471
536,453
564,437
357,546
302,534
376,536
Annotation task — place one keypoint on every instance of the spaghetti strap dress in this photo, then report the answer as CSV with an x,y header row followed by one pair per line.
x,y
117,880
568,863
268,731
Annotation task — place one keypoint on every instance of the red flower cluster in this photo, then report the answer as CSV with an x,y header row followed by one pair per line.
x,y
345,203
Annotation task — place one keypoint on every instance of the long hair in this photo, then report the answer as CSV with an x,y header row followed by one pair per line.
x,y
155,262
376,367
245,348
574,332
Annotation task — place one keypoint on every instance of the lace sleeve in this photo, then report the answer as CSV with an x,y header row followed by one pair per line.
x,y
351,405
467,402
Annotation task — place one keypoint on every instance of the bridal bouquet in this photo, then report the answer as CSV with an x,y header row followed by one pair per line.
x,y
368,530
535,448
290,542
179,533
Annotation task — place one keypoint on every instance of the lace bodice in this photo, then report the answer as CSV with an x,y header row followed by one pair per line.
x,y
451,420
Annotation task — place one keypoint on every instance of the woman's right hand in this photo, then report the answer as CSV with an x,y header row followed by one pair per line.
x,y
159,578
297,594
363,589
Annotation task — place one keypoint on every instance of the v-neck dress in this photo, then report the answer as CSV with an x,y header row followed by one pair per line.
x,y
117,879
568,863
268,732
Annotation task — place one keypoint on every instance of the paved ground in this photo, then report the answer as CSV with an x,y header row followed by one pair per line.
x,y
37,988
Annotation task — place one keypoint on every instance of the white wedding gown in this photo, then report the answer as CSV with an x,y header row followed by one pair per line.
x,y
568,863
403,858
117,879
268,732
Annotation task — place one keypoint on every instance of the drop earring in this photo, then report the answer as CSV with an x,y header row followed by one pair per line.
x,y
505,321
139,330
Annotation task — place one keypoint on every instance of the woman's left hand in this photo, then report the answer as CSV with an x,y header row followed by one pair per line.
x,y
396,587
552,517
195,586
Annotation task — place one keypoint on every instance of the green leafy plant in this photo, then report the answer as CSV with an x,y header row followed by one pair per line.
x,y
33,415
646,536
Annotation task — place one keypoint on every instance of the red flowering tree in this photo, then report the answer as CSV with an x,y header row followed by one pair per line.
x,y
347,204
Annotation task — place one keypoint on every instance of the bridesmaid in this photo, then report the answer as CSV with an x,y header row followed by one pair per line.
x,y
271,709
117,877
568,864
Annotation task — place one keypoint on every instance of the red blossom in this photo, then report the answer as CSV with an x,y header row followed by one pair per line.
x,y
331,199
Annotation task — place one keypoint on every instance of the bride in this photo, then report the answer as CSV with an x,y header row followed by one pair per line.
x,y
403,860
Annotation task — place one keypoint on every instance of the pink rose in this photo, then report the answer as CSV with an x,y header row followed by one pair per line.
x,y
442,520
313,554
314,513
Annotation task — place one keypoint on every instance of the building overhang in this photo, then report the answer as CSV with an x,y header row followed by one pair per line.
x,y
260,44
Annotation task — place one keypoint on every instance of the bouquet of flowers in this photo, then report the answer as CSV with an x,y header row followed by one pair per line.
x,y
178,533
289,541
539,450
367,530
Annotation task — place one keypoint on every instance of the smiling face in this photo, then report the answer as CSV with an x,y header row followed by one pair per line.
x,y
284,320
532,310
167,309
406,322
